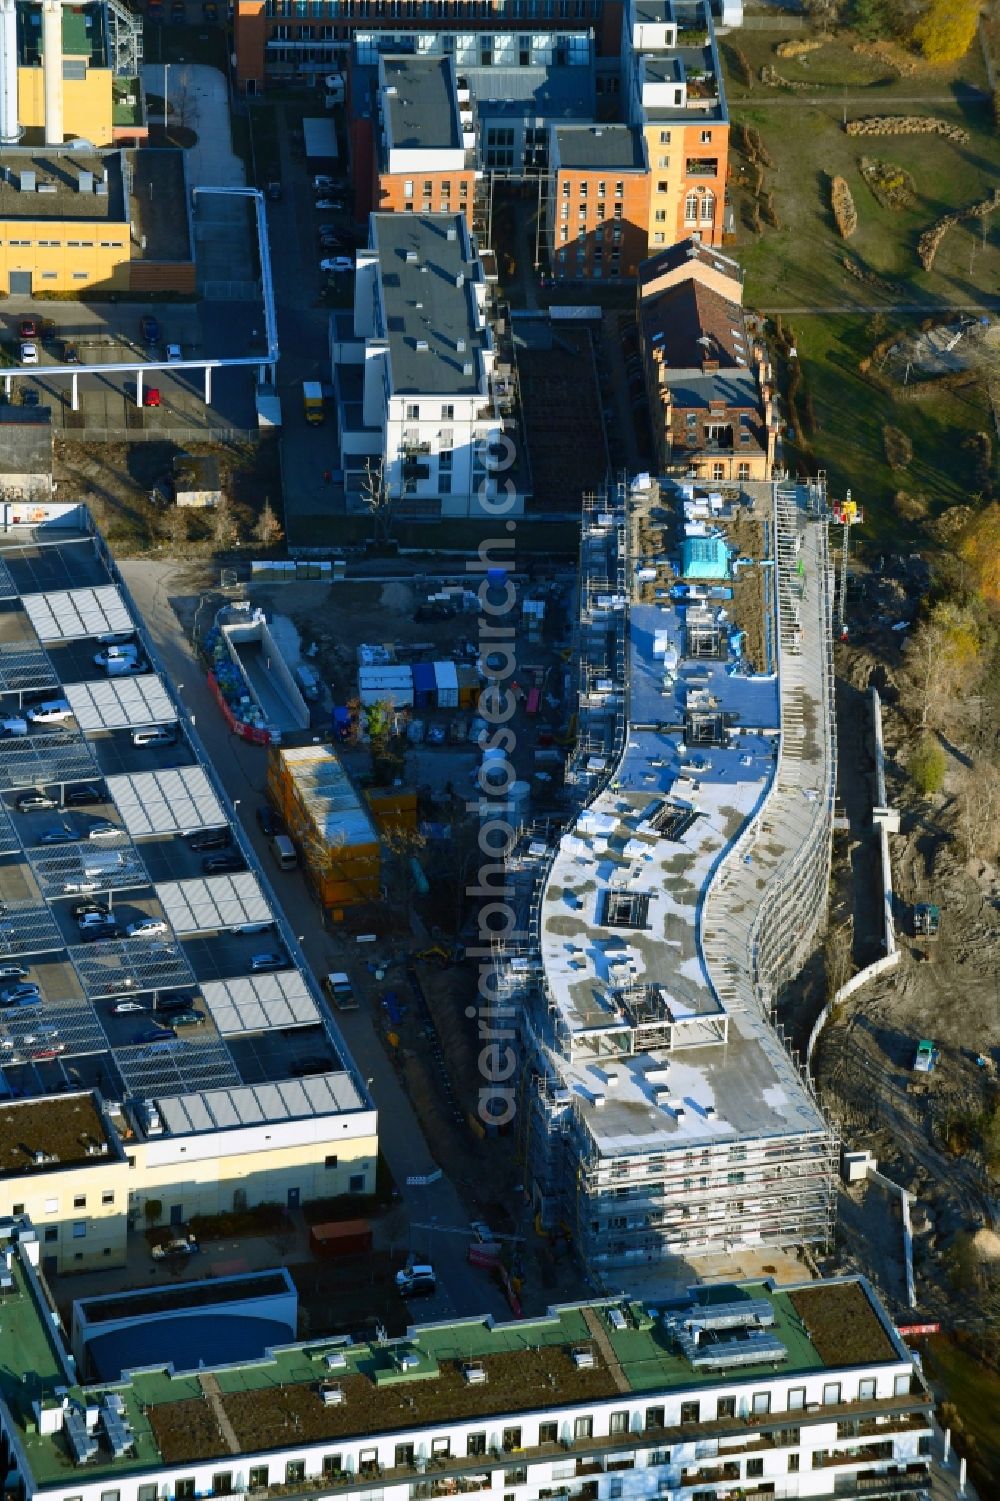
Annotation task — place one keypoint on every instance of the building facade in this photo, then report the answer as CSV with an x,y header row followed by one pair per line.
x,y
426,161
803,1391
417,403
598,202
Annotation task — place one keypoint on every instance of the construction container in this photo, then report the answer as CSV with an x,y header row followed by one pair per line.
x,y
334,1240
424,686
446,681
393,807
469,686
328,821
392,685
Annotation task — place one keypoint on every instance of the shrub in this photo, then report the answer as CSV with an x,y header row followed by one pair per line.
x,y
844,210
910,507
889,183
927,767
898,448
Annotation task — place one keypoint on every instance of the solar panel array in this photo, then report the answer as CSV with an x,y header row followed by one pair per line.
x,y
121,703
43,760
260,1003
74,614
126,966
24,665
177,800
214,903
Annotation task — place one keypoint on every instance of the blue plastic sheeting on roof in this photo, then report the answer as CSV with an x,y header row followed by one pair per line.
x,y
705,558
198,1339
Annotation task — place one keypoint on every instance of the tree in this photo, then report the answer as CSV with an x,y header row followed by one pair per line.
x,y
152,1212
946,30
927,767
225,528
872,19
378,500
944,659
824,14
175,526
979,548
268,530
979,812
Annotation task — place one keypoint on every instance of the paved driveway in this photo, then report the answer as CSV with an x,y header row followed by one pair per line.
x,y
200,101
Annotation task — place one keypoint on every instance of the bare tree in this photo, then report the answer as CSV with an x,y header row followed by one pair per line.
x,y
268,530
225,527
175,526
378,499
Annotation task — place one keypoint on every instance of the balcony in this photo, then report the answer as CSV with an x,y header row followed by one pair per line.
x,y
701,166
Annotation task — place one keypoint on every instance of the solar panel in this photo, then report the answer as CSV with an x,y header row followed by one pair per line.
x,y
121,703
74,614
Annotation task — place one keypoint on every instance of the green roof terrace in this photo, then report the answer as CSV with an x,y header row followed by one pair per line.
x,y
528,1366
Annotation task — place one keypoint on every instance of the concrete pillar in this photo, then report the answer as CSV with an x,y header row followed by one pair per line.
x,y
961,1477
8,71
208,385
138,388
52,68
947,1445
75,386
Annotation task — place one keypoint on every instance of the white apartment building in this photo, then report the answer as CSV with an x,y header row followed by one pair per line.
x,y
748,1390
417,397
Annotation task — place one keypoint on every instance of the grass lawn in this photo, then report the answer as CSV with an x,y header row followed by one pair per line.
x,y
975,1391
801,264
835,69
850,416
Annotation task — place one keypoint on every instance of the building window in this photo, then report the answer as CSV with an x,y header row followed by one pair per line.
x,y
565,189
222,1484
755,1467
743,471
659,238
80,1202
583,1428
725,1407
412,413
583,190
708,208
690,1412
620,189
718,471
706,138
866,1388
831,1393
146,1493
257,1478
796,1398
111,1496
618,1423
761,1402
108,1196
475,1444
618,210
793,1463
664,137
901,1387
548,1433
330,1161
51,1234
511,1439
183,1489
663,187
662,162
448,413
295,1471
408,188
602,189
691,209
17,1209
441,1448
51,1206
79,1229
357,1183
660,216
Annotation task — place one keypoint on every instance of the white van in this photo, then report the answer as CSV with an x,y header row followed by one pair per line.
x,y
283,851
155,735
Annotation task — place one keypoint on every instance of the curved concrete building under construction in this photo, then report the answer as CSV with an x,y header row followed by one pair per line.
x,y
661,1114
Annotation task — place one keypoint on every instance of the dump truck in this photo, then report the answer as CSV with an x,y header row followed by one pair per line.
x,y
312,402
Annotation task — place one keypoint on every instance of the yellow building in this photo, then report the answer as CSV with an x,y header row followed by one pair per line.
x,y
62,1164
329,823
93,91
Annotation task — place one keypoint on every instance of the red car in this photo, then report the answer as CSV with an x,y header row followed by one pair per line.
x,y
27,328
53,1050
151,396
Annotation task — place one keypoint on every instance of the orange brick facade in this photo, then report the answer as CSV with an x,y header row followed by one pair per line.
x,y
682,201
429,193
611,208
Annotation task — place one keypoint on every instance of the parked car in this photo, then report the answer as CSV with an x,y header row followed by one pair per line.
x,y
269,821
115,987
49,1050
104,829
174,353
27,328
337,264
17,995
209,839
100,932
322,181
927,1056
30,396
13,972
29,354
94,917
14,725
161,735
151,396
338,987
154,1034
59,833
127,1008
70,355
146,927
76,797
125,651
29,802
149,329
416,1281
166,1003
217,865
53,711
187,1019
168,1249
334,205
261,964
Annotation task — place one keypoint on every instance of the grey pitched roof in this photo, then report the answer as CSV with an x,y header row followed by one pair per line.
x,y
427,305
421,101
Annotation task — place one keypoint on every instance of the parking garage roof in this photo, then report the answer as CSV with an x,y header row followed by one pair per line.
x,y
45,760
76,614
215,903
258,1003
176,800
128,703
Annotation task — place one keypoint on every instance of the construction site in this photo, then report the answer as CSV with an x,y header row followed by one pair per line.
x,y
664,1116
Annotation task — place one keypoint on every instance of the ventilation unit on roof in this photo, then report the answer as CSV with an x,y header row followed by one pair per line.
x,y
475,1373
452,232
460,280
335,1360
411,257
460,345
332,1395
583,1360
467,368
27,181
422,345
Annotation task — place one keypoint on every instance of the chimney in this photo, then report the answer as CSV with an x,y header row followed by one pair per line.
x,y
52,70
85,183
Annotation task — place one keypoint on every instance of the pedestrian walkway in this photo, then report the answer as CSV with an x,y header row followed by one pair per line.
x,y
198,99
